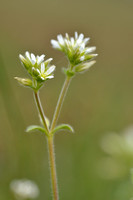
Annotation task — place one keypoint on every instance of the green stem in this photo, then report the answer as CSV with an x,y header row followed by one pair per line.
x,y
53,168
50,148
60,102
40,110
50,136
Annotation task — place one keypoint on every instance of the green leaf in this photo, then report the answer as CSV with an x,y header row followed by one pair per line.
x,y
63,127
36,127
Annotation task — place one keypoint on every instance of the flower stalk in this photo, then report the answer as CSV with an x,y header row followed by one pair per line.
x,y
60,102
40,110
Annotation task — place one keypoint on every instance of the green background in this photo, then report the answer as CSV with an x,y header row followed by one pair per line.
x,y
97,102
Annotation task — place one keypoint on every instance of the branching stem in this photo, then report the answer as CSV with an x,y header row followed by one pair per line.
x,y
50,135
60,102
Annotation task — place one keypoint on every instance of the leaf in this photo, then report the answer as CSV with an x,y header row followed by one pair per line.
x,y
63,127
36,127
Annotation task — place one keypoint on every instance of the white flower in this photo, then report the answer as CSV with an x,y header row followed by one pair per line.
x,y
31,58
24,189
37,67
46,73
74,48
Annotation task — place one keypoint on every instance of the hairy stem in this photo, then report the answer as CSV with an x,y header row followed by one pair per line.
x,y
50,136
60,102
50,148
40,110
53,168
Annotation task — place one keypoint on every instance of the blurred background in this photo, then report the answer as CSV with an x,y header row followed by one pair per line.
x,y
98,102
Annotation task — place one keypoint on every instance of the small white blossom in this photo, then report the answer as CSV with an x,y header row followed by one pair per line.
x,y
31,58
24,189
74,48
46,73
37,67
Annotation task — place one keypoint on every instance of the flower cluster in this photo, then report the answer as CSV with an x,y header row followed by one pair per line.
x,y
76,51
80,57
39,69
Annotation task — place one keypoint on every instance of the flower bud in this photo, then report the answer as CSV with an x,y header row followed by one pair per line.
x,y
24,81
85,66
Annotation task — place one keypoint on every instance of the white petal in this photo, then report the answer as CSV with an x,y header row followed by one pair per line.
x,y
55,44
72,41
33,57
60,39
21,57
38,71
82,58
80,38
49,60
67,42
42,78
76,35
67,36
50,69
49,77
90,49
27,54
40,59
42,68
82,46
95,54
86,40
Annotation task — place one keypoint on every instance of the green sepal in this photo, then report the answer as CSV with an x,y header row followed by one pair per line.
x,y
68,72
90,56
63,127
36,127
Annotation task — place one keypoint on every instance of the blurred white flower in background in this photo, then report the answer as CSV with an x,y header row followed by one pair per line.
x,y
24,189
119,154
